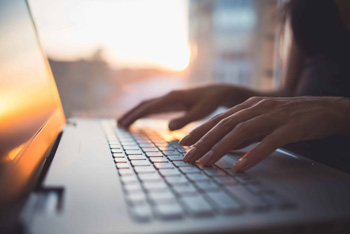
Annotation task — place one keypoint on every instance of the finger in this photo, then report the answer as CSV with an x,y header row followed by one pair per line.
x,y
239,119
197,112
136,112
201,130
122,119
253,128
266,147
247,143
167,102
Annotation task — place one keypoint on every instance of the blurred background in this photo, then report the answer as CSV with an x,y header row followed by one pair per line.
x,y
108,55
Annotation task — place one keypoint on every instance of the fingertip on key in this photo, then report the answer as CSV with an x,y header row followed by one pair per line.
x,y
238,166
185,140
206,158
190,154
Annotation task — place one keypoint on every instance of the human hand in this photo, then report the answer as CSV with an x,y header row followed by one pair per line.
x,y
274,121
197,103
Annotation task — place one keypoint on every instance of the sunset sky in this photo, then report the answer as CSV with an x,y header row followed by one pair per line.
x,y
131,32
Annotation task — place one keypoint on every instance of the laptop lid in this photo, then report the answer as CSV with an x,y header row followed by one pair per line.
x,y
31,114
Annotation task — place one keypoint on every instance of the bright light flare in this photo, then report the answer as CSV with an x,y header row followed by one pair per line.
x,y
134,33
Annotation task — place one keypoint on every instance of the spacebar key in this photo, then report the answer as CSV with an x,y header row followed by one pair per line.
x,y
196,206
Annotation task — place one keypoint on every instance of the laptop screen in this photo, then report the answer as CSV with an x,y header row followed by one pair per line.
x,y
26,100
28,95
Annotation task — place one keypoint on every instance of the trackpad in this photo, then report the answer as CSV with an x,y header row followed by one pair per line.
x,y
277,162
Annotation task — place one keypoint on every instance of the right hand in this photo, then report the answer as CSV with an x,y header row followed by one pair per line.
x,y
197,103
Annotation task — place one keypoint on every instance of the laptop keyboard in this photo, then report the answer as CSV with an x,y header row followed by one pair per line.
x,y
157,184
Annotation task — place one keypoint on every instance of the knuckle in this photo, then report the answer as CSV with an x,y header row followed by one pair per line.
x,y
242,127
241,106
254,99
216,118
267,102
224,123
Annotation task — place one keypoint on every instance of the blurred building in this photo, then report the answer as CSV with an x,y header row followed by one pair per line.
x,y
232,41
83,84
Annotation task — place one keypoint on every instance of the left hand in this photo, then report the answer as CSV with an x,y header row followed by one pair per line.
x,y
272,121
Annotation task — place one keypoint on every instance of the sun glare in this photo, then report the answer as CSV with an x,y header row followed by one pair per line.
x,y
133,33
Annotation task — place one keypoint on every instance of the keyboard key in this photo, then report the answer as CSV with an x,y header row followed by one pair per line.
x,y
182,164
123,165
188,170
225,180
177,180
126,172
131,147
150,177
129,143
185,189
164,165
160,143
150,145
137,163
132,188
145,169
214,172
249,199
155,186
224,164
168,211
197,206
198,177
159,159
163,197
136,198
120,151
154,154
142,213
170,152
230,172
169,172
166,147
137,157
223,202
207,186
119,155
150,149
144,141
176,158
133,152
245,178
181,150
129,179
120,160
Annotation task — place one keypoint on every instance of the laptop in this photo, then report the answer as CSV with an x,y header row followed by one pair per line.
x,y
88,176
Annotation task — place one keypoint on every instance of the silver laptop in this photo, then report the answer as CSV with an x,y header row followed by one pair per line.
x,y
88,176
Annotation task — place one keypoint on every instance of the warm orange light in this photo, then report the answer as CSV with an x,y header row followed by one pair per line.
x,y
132,33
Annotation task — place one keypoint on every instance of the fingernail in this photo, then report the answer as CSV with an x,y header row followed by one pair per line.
x,y
206,158
190,154
239,164
184,140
